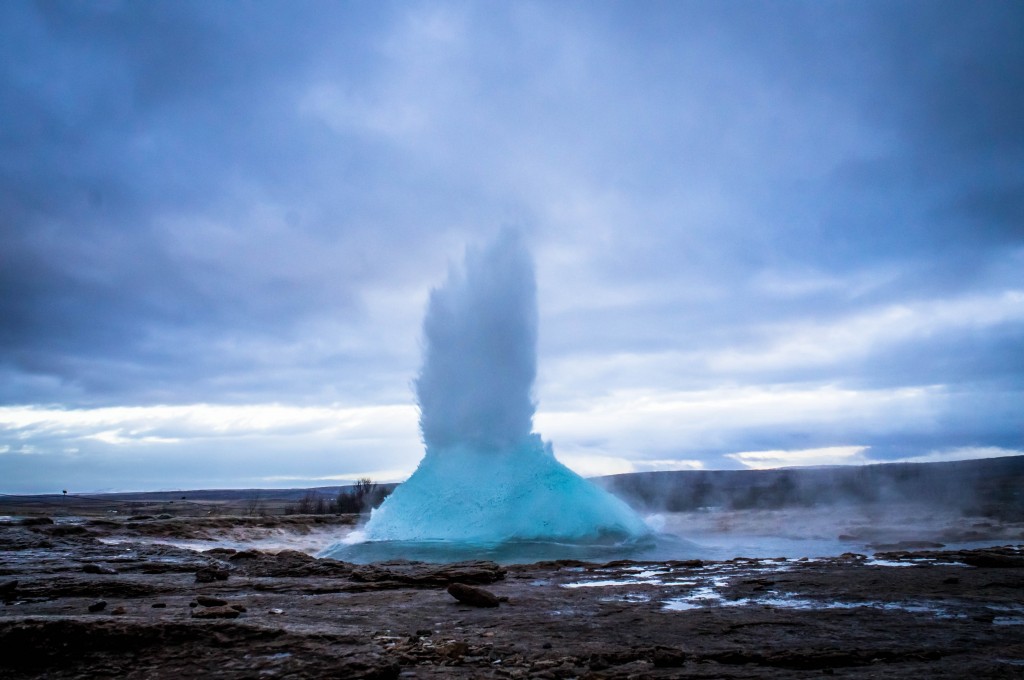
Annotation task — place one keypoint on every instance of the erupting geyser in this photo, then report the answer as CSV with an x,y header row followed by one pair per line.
x,y
486,476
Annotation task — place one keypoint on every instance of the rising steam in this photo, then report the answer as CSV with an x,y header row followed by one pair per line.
x,y
475,388
486,477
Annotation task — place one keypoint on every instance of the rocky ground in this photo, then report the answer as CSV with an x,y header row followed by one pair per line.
x,y
101,598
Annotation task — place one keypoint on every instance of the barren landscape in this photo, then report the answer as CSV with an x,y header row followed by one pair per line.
x,y
101,596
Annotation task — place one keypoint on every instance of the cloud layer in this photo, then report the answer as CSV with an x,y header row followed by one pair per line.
x,y
757,228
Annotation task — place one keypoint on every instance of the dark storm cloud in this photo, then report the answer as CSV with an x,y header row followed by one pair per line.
x,y
248,202
117,116
947,96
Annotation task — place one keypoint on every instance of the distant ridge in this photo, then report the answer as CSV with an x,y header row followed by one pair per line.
x,y
990,486
197,494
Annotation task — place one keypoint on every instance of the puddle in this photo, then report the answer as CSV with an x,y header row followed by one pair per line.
x,y
705,597
272,541
613,582
1008,615
911,562
698,598
628,597
1008,621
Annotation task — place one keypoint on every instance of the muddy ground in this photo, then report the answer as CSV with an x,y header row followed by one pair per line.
x,y
104,597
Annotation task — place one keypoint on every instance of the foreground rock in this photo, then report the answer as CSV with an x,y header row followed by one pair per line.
x,y
475,597
289,615
216,613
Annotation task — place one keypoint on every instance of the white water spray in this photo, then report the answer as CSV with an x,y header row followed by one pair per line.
x,y
486,476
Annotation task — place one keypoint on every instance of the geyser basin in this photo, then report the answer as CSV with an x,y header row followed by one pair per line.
x,y
487,479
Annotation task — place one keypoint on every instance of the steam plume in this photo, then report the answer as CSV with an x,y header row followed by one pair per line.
x,y
486,477
475,388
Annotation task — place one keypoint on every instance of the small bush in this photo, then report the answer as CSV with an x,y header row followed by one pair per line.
x,y
364,495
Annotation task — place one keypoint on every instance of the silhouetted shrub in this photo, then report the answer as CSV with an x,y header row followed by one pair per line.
x,y
306,504
362,496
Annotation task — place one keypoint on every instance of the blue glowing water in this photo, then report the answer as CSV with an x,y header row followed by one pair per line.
x,y
518,494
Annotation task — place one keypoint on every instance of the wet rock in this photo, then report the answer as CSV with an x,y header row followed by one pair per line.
x,y
118,611
24,539
58,587
170,566
454,649
91,568
632,669
668,657
287,564
8,588
164,516
993,560
140,518
104,523
211,573
215,613
58,530
98,606
391,574
553,632
368,667
35,521
690,564
207,601
473,596
615,564
609,658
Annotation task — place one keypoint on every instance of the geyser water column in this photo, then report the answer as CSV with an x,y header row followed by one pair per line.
x,y
486,476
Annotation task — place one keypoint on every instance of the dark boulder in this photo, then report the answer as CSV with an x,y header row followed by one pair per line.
x,y
421,574
215,613
211,573
92,568
208,601
473,596
993,560
668,657
35,521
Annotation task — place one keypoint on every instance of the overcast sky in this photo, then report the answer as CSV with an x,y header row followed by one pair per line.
x,y
765,233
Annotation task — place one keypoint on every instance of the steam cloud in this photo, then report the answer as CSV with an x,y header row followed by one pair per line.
x,y
480,361
486,477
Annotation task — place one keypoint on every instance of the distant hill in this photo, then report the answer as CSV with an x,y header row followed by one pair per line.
x,y
991,486
228,494
181,502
